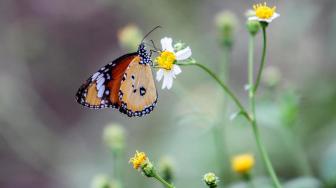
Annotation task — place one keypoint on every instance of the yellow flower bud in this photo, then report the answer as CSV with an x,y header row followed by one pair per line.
x,y
242,164
130,37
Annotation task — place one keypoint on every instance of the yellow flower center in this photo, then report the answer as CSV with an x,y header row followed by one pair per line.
x,y
139,159
263,11
166,60
242,163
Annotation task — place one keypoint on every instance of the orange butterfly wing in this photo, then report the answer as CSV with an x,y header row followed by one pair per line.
x,y
102,88
138,95
126,83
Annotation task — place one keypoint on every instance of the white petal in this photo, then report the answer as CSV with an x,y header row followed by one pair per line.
x,y
159,74
275,15
269,20
166,44
183,54
169,81
176,69
164,82
250,13
253,18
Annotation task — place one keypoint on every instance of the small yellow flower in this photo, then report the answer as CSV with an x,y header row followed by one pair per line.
x,y
264,13
242,163
166,60
138,160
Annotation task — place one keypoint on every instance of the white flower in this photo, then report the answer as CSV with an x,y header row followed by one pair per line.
x,y
166,62
263,13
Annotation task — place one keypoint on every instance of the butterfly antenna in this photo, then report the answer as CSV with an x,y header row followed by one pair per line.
x,y
159,26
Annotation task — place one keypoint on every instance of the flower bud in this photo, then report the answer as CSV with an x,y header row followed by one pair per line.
x,y
210,179
114,136
148,169
141,161
129,37
101,181
253,27
242,164
166,168
226,23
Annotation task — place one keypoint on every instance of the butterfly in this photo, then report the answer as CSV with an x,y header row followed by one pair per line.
x,y
126,84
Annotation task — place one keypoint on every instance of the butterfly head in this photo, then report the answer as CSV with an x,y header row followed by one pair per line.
x,y
144,54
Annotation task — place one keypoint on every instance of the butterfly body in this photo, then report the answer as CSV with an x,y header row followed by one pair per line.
x,y
126,84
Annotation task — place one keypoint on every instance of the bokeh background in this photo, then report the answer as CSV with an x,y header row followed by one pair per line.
x,y
48,48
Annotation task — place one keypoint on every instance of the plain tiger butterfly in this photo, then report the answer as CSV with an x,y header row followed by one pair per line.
x,y
126,84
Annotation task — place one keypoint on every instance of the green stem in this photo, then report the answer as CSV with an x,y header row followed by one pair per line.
x,y
250,66
248,179
264,155
115,165
224,73
263,57
164,182
222,157
117,171
253,121
219,128
223,85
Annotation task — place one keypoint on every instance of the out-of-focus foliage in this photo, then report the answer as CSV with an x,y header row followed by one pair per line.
x,y
48,48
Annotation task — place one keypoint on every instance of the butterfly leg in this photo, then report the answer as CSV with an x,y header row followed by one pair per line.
x,y
154,45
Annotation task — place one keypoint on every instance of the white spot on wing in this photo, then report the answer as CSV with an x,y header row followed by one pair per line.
x,y
95,75
100,76
100,82
101,91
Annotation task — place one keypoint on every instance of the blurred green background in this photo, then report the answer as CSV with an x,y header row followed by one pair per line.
x,y
48,48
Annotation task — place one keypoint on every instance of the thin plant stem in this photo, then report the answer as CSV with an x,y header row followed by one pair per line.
x,y
117,171
252,91
264,155
219,128
220,144
250,66
115,165
223,85
262,63
248,179
164,182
